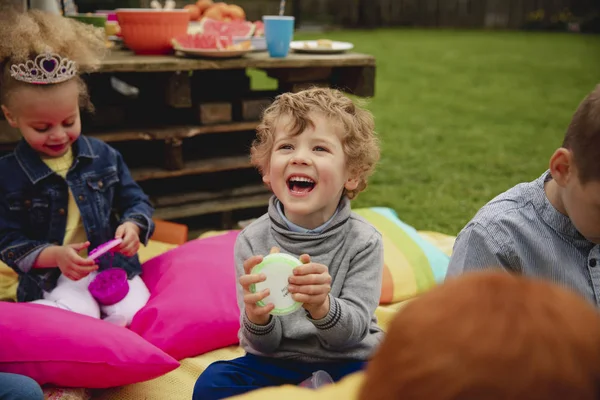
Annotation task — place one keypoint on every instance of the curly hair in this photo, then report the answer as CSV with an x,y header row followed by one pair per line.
x,y
489,335
356,124
26,35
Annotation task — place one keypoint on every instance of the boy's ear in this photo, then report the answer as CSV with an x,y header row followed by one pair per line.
x,y
351,183
561,166
9,116
266,179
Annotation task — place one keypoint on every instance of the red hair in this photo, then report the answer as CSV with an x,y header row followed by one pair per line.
x,y
493,336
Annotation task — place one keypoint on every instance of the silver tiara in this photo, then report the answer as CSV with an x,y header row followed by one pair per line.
x,y
45,69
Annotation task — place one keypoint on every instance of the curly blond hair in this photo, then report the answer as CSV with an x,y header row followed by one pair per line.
x,y
356,126
26,35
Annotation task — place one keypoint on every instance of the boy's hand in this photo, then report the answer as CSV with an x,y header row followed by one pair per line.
x,y
130,233
311,284
71,264
255,313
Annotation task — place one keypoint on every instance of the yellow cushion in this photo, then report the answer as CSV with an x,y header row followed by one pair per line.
x,y
154,249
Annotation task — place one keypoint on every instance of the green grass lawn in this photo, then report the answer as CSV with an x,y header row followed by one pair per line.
x,y
465,115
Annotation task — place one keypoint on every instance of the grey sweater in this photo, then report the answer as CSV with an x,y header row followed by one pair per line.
x,y
352,249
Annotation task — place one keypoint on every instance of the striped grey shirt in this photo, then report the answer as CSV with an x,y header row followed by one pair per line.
x,y
522,232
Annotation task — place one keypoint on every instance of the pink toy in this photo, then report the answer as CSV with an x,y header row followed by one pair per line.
x,y
110,286
104,248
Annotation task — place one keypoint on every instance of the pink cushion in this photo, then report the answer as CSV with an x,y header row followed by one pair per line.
x,y
193,307
66,349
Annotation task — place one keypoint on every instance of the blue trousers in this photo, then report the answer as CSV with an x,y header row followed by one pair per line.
x,y
224,379
19,387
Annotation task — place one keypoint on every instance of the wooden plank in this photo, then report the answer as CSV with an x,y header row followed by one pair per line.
x,y
195,167
252,109
299,86
126,61
179,132
358,81
178,90
300,74
195,197
213,206
215,113
174,154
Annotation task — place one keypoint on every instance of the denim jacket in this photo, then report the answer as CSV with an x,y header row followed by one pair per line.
x,y
33,209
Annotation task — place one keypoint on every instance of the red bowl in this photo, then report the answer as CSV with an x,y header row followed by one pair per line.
x,y
149,31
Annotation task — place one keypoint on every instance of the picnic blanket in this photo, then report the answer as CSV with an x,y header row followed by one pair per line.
x,y
414,261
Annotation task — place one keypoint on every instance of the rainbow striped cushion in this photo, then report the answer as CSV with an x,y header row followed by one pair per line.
x,y
412,264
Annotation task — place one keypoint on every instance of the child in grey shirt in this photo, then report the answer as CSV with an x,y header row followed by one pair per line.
x,y
315,149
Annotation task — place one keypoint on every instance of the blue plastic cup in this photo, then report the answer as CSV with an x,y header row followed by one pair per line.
x,y
279,32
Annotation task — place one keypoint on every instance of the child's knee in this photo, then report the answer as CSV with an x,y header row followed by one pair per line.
x,y
136,299
74,296
209,381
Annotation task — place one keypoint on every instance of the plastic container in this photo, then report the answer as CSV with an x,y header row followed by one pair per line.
x,y
149,31
317,379
277,267
279,33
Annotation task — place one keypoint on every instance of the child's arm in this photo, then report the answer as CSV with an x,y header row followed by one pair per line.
x,y
265,337
132,203
23,254
16,249
476,249
349,317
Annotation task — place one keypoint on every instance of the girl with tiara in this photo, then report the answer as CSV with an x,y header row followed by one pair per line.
x,y
59,190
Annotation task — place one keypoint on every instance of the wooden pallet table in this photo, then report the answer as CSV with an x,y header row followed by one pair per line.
x,y
185,125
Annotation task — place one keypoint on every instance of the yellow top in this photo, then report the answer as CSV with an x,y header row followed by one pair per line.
x,y
75,232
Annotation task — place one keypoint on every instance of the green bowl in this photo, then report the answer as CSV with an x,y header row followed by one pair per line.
x,y
92,19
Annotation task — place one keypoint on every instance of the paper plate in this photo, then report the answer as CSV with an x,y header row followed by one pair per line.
x,y
277,268
312,46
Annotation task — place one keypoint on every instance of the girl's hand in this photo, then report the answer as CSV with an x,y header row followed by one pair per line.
x,y
311,284
71,264
255,313
130,233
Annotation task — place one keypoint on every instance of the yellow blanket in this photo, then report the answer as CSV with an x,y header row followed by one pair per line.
x,y
179,384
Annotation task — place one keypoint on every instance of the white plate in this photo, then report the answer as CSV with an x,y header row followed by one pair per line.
x,y
310,46
212,53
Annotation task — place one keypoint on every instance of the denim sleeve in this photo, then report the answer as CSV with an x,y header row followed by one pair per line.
x,y
16,250
477,249
132,203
